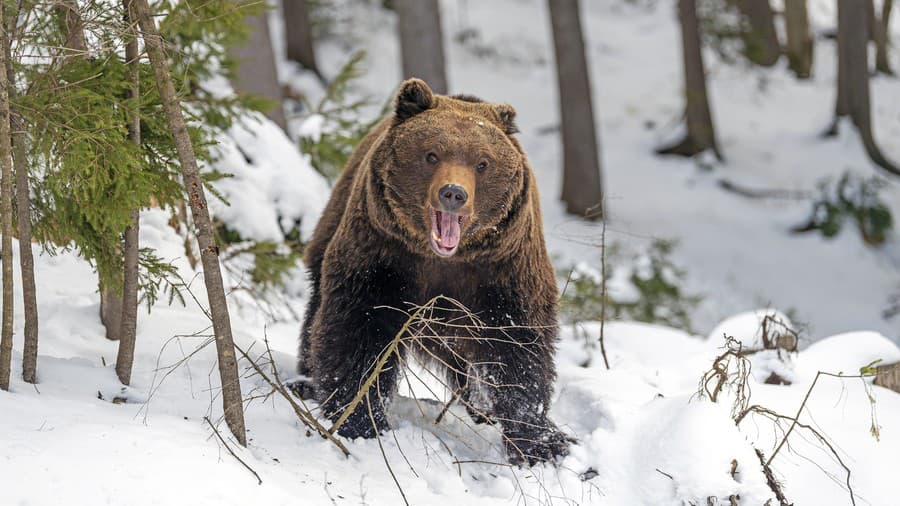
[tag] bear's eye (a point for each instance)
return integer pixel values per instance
(482, 165)
(431, 158)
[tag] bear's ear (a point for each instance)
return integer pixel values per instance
(414, 97)
(507, 116)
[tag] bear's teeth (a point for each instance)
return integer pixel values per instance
(435, 236)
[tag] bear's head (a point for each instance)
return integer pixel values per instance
(450, 169)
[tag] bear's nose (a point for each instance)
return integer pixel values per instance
(452, 196)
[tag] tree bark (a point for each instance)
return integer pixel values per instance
(23, 211)
(883, 39)
(209, 252)
(110, 311)
(799, 38)
(422, 42)
(888, 376)
(6, 188)
(298, 34)
(72, 25)
(700, 134)
(582, 188)
(256, 72)
(128, 318)
(760, 39)
(853, 78)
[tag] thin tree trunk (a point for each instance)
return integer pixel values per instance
(422, 42)
(128, 319)
(209, 252)
(298, 34)
(700, 134)
(799, 39)
(6, 188)
(853, 65)
(760, 40)
(582, 188)
(23, 209)
(110, 311)
(72, 25)
(883, 39)
(256, 72)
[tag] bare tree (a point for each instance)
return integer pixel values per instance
(422, 42)
(128, 319)
(883, 39)
(256, 72)
(23, 211)
(799, 39)
(700, 134)
(6, 188)
(582, 189)
(209, 252)
(853, 78)
(760, 39)
(298, 34)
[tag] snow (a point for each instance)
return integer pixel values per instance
(643, 434)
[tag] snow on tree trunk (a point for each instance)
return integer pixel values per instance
(799, 39)
(700, 134)
(582, 189)
(6, 188)
(256, 73)
(422, 42)
(128, 318)
(209, 252)
(298, 34)
(23, 210)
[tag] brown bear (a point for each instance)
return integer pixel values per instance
(438, 199)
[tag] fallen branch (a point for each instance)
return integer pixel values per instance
(302, 414)
(216, 432)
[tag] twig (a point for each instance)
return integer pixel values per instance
(383, 454)
(773, 484)
(603, 292)
(216, 431)
(303, 414)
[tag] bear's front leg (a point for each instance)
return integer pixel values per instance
(518, 374)
(349, 335)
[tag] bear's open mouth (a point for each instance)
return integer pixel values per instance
(446, 231)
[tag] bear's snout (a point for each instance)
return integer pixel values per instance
(452, 196)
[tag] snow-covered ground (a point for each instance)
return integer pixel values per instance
(644, 437)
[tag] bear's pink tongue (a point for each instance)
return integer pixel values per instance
(449, 227)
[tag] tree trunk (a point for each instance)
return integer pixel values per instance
(799, 39)
(72, 25)
(256, 72)
(883, 39)
(6, 188)
(298, 34)
(23, 208)
(760, 39)
(110, 310)
(422, 42)
(582, 189)
(853, 77)
(209, 252)
(128, 319)
(888, 376)
(700, 133)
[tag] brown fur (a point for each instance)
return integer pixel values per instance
(371, 248)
